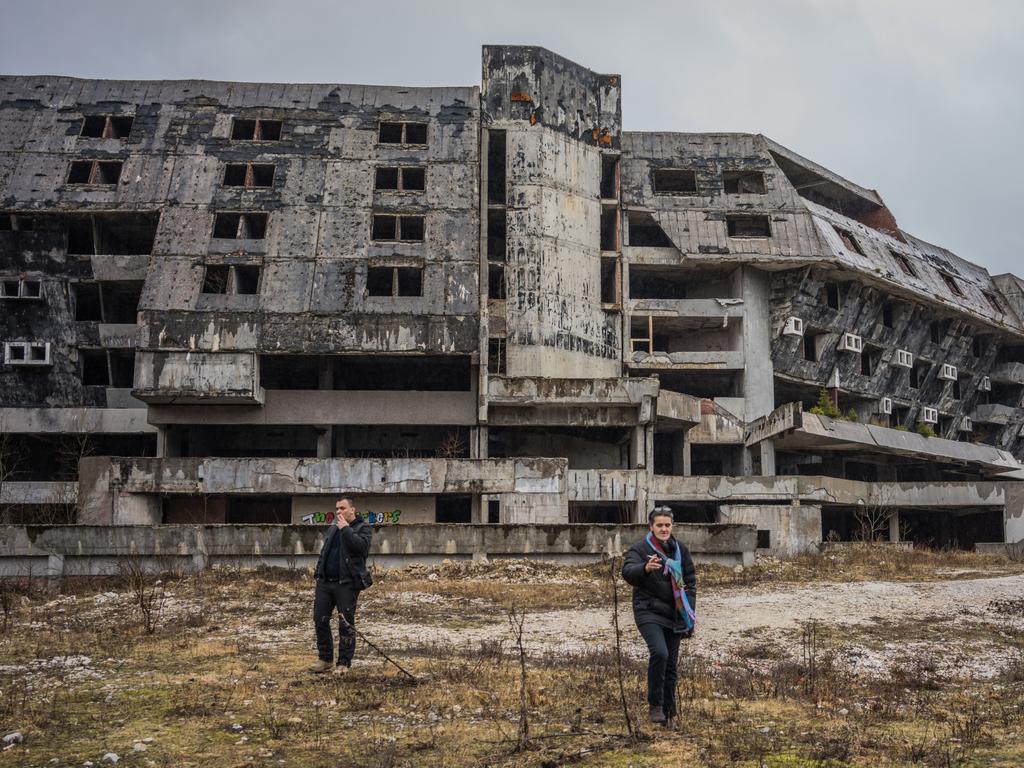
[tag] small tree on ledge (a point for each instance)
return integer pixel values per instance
(825, 406)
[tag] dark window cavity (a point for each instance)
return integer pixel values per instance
(249, 175)
(496, 356)
(240, 226)
(107, 127)
(411, 179)
(743, 182)
(94, 172)
(609, 177)
(849, 241)
(748, 226)
(256, 130)
(405, 134)
(399, 227)
(646, 232)
(675, 181)
(951, 284)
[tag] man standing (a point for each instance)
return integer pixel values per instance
(340, 575)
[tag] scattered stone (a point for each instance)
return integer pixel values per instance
(138, 746)
(236, 727)
(13, 738)
(148, 740)
(110, 757)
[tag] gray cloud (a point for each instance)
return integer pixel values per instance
(918, 99)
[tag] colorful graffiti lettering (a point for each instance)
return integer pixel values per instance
(319, 517)
(379, 518)
(373, 518)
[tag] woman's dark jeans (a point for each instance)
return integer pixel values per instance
(663, 645)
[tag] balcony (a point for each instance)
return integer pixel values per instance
(1008, 373)
(993, 413)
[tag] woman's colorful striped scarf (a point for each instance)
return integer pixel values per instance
(674, 568)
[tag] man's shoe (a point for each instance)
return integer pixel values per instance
(319, 667)
(671, 723)
(656, 715)
(340, 670)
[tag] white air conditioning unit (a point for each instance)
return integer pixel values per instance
(851, 342)
(929, 415)
(985, 385)
(794, 327)
(27, 353)
(904, 359)
(966, 425)
(948, 372)
(885, 406)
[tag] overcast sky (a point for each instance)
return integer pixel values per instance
(922, 100)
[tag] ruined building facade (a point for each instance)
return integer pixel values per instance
(224, 302)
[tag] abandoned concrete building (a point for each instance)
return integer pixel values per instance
(227, 302)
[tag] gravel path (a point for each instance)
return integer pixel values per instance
(730, 618)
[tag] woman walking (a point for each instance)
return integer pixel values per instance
(664, 582)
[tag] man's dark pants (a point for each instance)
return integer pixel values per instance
(663, 645)
(331, 595)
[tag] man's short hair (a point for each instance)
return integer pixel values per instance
(660, 512)
(349, 499)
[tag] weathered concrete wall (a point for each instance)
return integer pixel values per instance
(794, 529)
(82, 550)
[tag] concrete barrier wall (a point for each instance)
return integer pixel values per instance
(55, 551)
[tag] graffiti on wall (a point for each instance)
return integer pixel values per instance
(373, 518)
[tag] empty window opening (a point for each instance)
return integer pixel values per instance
(888, 314)
(6, 222)
(958, 389)
(951, 284)
(412, 179)
(240, 226)
(453, 508)
(15, 353)
(743, 182)
(979, 345)
(111, 234)
(394, 281)
(120, 300)
(249, 175)
(937, 331)
(610, 281)
(903, 263)
(675, 181)
(231, 279)
(122, 368)
(494, 511)
(496, 356)
(247, 278)
(14, 288)
(414, 134)
(748, 226)
(107, 127)
(646, 232)
(994, 302)
(610, 229)
(657, 283)
(497, 230)
(496, 179)
(95, 371)
(919, 373)
(832, 296)
(849, 241)
(88, 307)
(764, 538)
(496, 281)
(397, 227)
(641, 334)
(94, 172)
(256, 130)
(609, 177)
(870, 359)
(811, 344)
(217, 278)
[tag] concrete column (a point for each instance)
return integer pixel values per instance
(324, 442)
(767, 448)
(894, 525)
(758, 376)
(478, 442)
(637, 448)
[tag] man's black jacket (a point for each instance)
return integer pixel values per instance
(354, 547)
(653, 601)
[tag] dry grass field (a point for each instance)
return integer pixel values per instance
(858, 657)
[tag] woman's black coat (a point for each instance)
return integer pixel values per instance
(653, 601)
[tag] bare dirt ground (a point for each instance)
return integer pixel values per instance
(863, 657)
